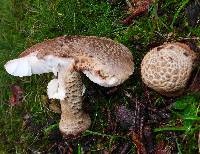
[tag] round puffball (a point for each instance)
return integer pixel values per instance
(167, 68)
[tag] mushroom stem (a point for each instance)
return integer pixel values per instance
(73, 119)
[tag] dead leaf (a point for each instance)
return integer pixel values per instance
(137, 142)
(17, 95)
(136, 7)
(54, 106)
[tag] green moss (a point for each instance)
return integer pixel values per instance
(26, 22)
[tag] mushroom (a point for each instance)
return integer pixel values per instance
(102, 60)
(167, 68)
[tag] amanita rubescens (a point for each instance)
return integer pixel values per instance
(167, 68)
(102, 60)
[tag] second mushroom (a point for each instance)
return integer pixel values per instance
(102, 60)
(167, 68)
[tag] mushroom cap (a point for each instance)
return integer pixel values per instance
(167, 68)
(102, 60)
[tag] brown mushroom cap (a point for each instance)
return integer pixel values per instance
(167, 68)
(104, 61)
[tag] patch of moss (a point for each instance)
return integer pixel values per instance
(26, 22)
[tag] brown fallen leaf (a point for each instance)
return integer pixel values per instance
(136, 7)
(16, 95)
(137, 142)
(54, 106)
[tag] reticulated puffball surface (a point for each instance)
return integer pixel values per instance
(167, 68)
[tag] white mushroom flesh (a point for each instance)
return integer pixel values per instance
(56, 90)
(31, 64)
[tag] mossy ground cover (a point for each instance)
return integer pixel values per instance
(32, 127)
